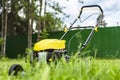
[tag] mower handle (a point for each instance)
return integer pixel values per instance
(89, 6)
(82, 27)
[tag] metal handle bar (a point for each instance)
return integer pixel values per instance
(82, 27)
(89, 6)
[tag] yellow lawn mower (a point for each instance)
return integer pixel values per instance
(48, 50)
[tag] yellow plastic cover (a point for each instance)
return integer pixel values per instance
(49, 44)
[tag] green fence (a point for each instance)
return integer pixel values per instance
(104, 44)
(16, 45)
(107, 42)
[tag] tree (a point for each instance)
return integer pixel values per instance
(4, 27)
(48, 21)
(17, 24)
(30, 23)
(39, 22)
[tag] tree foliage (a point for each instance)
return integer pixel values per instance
(18, 16)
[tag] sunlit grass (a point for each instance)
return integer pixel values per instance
(76, 69)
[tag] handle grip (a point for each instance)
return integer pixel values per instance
(90, 6)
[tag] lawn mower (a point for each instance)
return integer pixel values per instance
(49, 50)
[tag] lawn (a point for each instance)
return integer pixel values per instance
(75, 69)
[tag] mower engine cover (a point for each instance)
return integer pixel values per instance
(49, 44)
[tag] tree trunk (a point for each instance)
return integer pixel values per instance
(45, 14)
(30, 33)
(39, 23)
(4, 28)
(30, 25)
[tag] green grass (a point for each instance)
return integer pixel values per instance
(78, 69)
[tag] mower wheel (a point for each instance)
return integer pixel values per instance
(15, 68)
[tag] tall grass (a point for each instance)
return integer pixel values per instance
(75, 69)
